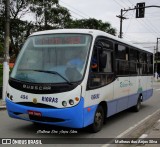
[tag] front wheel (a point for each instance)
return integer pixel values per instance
(98, 120)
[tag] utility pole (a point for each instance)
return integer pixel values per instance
(140, 11)
(121, 19)
(6, 48)
(156, 58)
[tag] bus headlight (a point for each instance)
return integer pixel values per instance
(11, 97)
(64, 103)
(71, 102)
(8, 95)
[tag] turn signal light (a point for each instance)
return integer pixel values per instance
(77, 99)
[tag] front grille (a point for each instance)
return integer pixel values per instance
(38, 118)
(38, 105)
(45, 119)
(17, 113)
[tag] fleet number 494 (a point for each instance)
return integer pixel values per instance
(24, 97)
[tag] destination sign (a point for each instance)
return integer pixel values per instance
(53, 40)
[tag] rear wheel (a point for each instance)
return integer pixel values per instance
(98, 120)
(137, 107)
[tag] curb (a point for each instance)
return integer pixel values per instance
(2, 105)
(143, 125)
(140, 128)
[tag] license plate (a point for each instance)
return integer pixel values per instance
(34, 113)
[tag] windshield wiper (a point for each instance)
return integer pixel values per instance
(54, 72)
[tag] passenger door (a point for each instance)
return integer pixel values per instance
(99, 85)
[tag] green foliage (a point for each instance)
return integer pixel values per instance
(48, 15)
(1, 50)
(19, 30)
(92, 24)
(1, 66)
(1, 75)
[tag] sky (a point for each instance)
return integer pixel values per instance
(141, 31)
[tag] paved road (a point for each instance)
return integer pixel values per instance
(115, 125)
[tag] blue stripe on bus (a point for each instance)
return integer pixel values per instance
(120, 104)
(78, 116)
(116, 105)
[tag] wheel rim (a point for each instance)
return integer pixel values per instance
(98, 119)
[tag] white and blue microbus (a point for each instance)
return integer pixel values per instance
(78, 77)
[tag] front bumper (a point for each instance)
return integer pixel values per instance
(68, 117)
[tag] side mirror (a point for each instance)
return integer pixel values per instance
(103, 60)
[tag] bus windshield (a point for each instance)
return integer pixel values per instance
(52, 58)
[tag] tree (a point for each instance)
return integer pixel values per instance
(1, 50)
(92, 24)
(2, 24)
(49, 14)
(18, 28)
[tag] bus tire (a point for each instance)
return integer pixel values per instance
(137, 107)
(98, 120)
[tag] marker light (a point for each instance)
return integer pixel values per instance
(71, 102)
(88, 109)
(64, 103)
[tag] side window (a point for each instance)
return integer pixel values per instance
(101, 70)
(150, 64)
(133, 61)
(133, 55)
(108, 67)
(121, 52)
(142, 57)
(142, 63)
(122, 64)
(149, 58)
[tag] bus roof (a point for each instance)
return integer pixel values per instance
(92, 32)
